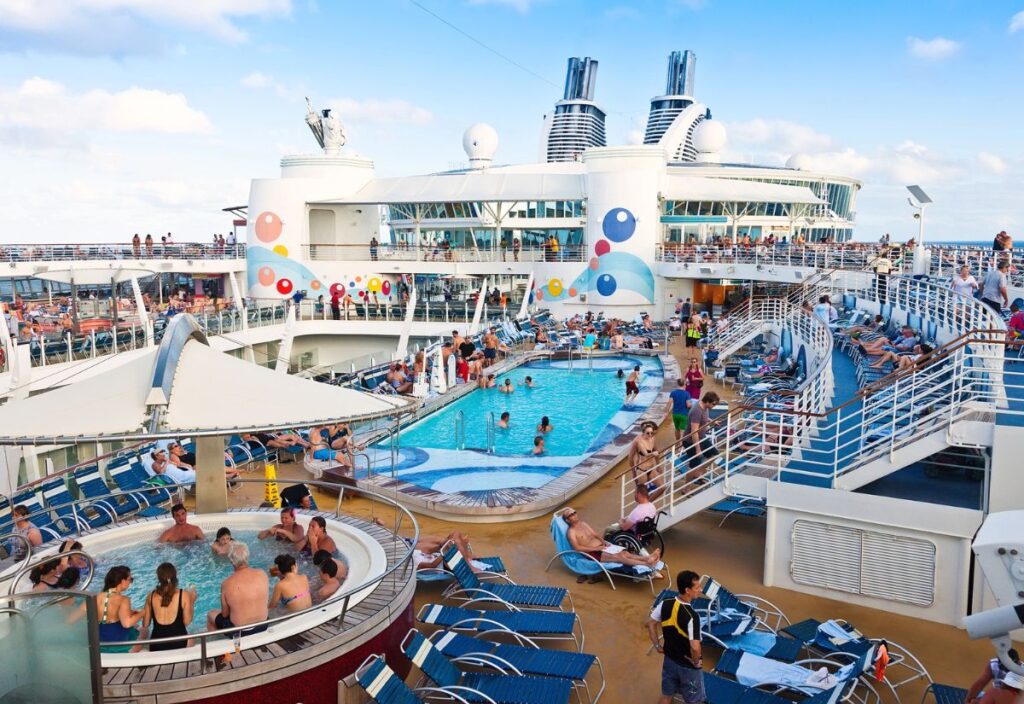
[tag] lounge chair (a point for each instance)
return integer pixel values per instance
(92, 486)
(719, 600)
(528, 659)
(441, 573)
(470, 588)
(83, 516)
(133, 477)
(385, 687)
(720, 690)
(503, 688)
(837, 637)
(583, 564)
(535, 624)
(740, 631)
(811, 676)
(945, 694)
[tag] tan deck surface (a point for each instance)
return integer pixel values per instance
(615, 621)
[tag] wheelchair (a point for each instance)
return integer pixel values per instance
(643, 536)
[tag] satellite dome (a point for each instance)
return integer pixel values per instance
(709, 137)
(800, 162)
(480, 142)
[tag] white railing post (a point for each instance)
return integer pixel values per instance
(892, 422)
(835, 453)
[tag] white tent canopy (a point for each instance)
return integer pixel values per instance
(92, 275)
(211, 393)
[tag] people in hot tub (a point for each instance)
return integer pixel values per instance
(291, 592)
(317, 538)
(285, 531)
(182, 531)
(223, 543)
(331, 578)
(243, 595)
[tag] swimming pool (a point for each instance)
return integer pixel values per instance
(585, 405)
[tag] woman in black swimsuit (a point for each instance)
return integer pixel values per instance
(165, 600)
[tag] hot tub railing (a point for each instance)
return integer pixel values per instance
(30, 565)
(399, 570)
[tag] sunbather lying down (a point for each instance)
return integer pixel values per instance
(427, 550)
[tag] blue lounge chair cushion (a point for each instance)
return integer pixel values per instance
(531, 661)
(518, 594)
(524, 622)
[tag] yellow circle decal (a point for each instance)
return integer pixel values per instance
(555, 287)
(281, 249)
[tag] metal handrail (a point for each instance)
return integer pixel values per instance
(402, 562)
(24, 539)
(55, 558)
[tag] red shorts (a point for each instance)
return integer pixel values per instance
(632, 388)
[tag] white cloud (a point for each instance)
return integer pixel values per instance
(261, 81)
(372, 110)
(935, 49)
(1017, 22)
(123, 26)
(843, 162)
(520, 6)
(41, 105)
(778, 136)
(992, 163)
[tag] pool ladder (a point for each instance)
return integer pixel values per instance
(459, 421)
(491, 433)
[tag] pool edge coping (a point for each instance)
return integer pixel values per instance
(570, 483)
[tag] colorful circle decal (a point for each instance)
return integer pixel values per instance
(555, 287)
(594, 263)
(358, 279)
(362, 294)
(265, 276)
(373, 284)
(315, 285)
(268, 226)
(337, 289)
(619, 225)
(606, 284)
(284, 286)
(385, 288)
(539, 295)
(602, 248)
(572, 292)
(281, 249)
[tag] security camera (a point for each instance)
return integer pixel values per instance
(917, 216)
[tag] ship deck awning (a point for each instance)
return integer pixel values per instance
(469, 186)
(184, 388)
(735, 191)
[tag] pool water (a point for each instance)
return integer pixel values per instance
(579, 404)
(585, 405)
(196, 564)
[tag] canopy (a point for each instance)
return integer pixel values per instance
(735, 190)
(93, 275)
(183, 388)
(470, 186)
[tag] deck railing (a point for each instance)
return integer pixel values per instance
(117, 251)
(435, 253)
(855, 256)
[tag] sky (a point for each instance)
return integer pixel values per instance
(123, 116)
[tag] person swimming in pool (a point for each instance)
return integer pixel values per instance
(545, 425)
(503, 421)
(633, 384)
(222, 544)
(528, 383)
(538, 445)
(507, 387)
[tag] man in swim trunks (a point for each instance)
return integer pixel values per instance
(243, 595)
(680, 411)
(182, 531)
(507, 387)
(585, 539)
(632, 384)
(491, 345)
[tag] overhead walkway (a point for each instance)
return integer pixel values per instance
(840, 432)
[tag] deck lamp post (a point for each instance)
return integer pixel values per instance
(919, 201)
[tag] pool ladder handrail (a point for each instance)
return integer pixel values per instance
(491, 433)
(459, 422)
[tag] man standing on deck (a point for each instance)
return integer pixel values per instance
(698, 446)
(993, 287)
(680, 409)
(681, 672)
(336, 305)
(882, 266)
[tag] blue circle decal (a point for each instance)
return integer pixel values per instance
(619, 225)
(606, 284)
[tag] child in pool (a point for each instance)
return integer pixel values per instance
(222, 544)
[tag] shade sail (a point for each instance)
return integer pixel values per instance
(211, 393)
(93, 275)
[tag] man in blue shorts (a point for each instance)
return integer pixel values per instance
(681, 673)
(680, 411)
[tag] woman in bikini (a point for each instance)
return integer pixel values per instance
(643, 459)
(292, 589)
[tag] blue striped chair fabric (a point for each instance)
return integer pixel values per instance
(524, 622)
(440, 574)
(504, 689)
(517, 594)
(532, 661)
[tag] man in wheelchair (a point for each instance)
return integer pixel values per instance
(637, 532)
